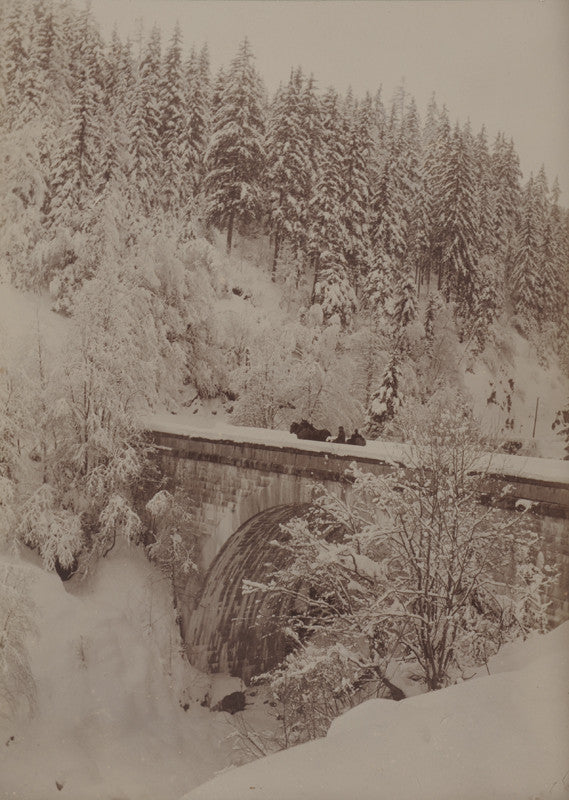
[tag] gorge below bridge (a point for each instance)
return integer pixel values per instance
(244, 483)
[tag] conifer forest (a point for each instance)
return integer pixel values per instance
(370, 205)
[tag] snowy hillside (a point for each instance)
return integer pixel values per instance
(504, 736)
(110, 684)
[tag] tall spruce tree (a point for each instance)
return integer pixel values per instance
(77, 160)
(235, 155)
(328, 239)
(385, 401)
(436, 148)
(198, 99)
(144, 126)
(288, 168)
(526, 287)
(356, 196)
(175, 142)
(506, 187)
(458, 225)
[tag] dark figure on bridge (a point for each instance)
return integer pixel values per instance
(306, 430)
(341, 437)
(356, 438)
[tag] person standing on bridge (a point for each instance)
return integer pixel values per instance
(341, 437)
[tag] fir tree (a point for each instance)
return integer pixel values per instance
(76, 165)
(144, 126)
(506, 189)
(328, 241)
(485, 195)
(198, 114)
(15, 54)
(458, 224)
(356, 196)
(436, 148)
(405, 309)
(288, 166)
(235, 155)
(526, 278)
(389, 228)
(385, 401)
(176, 158)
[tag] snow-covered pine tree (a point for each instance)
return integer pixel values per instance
(549, 288)
(488, 298)
(388, 226)
(485, 196)
(416, 201)
(405, 305)
(118, 85)
(145, 150)
(506, 189)
(328, 236)
(76, 162)
(15, 42)
(288, 167)
(356, 196)
(235, 155)
(436, 144)
(311, 114)
(176, 156)
(458, 224)
(198, 96)
(526, 285)
(385, 401)
(556, 240)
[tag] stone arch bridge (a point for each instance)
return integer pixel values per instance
(244, 483)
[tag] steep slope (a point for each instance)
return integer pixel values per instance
(504, 736)
(110, 689)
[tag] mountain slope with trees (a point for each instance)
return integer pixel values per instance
(207, 245)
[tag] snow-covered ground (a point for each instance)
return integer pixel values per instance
(110, 723)
(25, 322)
(111, 686)
(499, 737)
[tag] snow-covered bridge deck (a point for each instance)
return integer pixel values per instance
(543, 480)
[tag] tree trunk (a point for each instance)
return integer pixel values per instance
(230, 232)
(276, 253)
(316, 265)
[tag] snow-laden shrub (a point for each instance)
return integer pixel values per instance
(55, 532)
(117, 519)
(173, 548)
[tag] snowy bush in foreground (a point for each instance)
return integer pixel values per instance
(171, 550)
(17, 687)
(53, 531)
(411, 568)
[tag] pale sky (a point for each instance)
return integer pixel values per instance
(504, 63)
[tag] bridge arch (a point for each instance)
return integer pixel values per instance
(234, 632)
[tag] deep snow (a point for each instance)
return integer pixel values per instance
(500, 737)
(111, 686)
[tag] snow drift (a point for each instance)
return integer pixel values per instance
(504, 736)
(111, 687)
